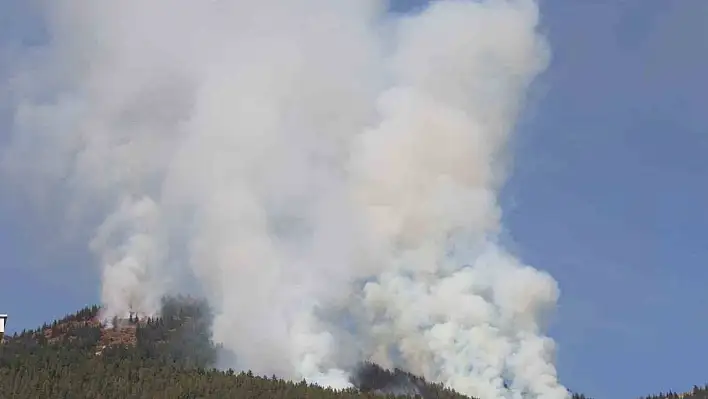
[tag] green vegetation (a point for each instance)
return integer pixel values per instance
(161, 358)
(696, 393)
(170, 358)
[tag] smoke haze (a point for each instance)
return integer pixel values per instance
(327, 174)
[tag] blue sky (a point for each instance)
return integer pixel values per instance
(608, 194)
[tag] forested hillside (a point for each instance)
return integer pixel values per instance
(171, 357)
(168, 357)
(696, 393)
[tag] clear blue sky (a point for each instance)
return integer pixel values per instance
(609, 194)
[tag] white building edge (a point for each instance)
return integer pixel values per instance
(3, 320)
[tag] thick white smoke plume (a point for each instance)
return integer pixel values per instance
(326, 173)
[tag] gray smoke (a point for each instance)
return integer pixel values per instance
(369, 377)
(327, 174)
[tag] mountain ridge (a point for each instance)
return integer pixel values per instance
(172, 356)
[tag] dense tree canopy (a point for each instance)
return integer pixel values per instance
(171, 357)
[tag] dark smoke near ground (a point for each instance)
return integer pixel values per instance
(370, 377)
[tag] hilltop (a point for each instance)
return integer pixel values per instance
(172, 357)
(168, 357)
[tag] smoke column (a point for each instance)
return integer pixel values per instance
(325, 173)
